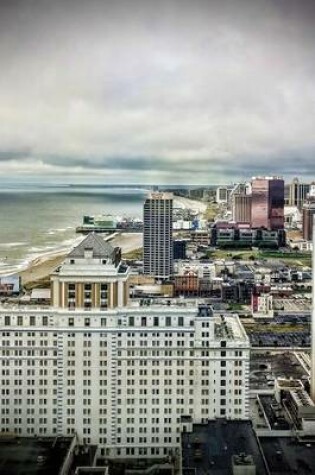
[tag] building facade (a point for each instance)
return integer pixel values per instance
(241, 208)
(121, 378)
(307, 218)
(157, 235)
(267, 203)
(298, 193)
(92, 276)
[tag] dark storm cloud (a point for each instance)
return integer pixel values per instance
(166, 90)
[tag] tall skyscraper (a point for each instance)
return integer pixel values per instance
(157, 235)
(242, 207)
(298, 193)
(308, 215)
(267, 203)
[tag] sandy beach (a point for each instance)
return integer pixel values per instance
(43, 265)
(187, 203)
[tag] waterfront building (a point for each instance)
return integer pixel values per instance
(308, 215)
(91, 277)
(223, 194)
(267, 203)
(241, 208)
(157, 235)
(239, 235)
(119, 378)
(298, 193)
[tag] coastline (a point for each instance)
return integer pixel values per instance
(187, 203)
(41, 266)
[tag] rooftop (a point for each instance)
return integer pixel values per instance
(209, 448)
(101, 249)
(32, 456)
(286, 456)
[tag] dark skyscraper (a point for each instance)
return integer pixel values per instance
(268, 203)
(308, 216)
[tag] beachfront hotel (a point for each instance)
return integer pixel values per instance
(157, 235)
(126, 378)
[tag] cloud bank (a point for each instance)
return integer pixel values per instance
(157, 92)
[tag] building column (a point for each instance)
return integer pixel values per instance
(120, 292)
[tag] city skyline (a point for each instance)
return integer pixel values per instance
(165, 93)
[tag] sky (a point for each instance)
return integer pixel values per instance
(129, 91)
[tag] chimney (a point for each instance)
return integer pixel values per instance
(313, 318)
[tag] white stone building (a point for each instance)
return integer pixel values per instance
(121, 378)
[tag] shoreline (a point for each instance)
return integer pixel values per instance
(41, 266)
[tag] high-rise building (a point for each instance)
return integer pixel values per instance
(242, 207)
(267, 203)
(298, 193)
(223, 194)
(122, 379)
(308, 215)
(157, 235)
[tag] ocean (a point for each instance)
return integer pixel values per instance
(39, 219)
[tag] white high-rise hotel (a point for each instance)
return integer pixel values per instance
(121, 377)
(157, 235)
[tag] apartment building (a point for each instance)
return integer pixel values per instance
(158, 235)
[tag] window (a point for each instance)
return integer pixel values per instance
(72, 261)
(180, 321)
(87, 322)
(45, 321)
(7, 320)
(20, 320)
(168, 321)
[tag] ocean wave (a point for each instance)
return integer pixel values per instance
(38, 254)
(7, 245)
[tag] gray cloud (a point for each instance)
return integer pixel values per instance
(149, 91)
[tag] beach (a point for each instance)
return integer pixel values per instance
(43, 265)
(187, 203)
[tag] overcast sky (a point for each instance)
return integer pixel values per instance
(156, 91)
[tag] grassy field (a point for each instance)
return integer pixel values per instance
(233, 254)
(274, 328)
(292, 258)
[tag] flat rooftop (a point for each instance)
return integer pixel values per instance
(266, 367)
(210, 447)
(286, 455)
(33, 456)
